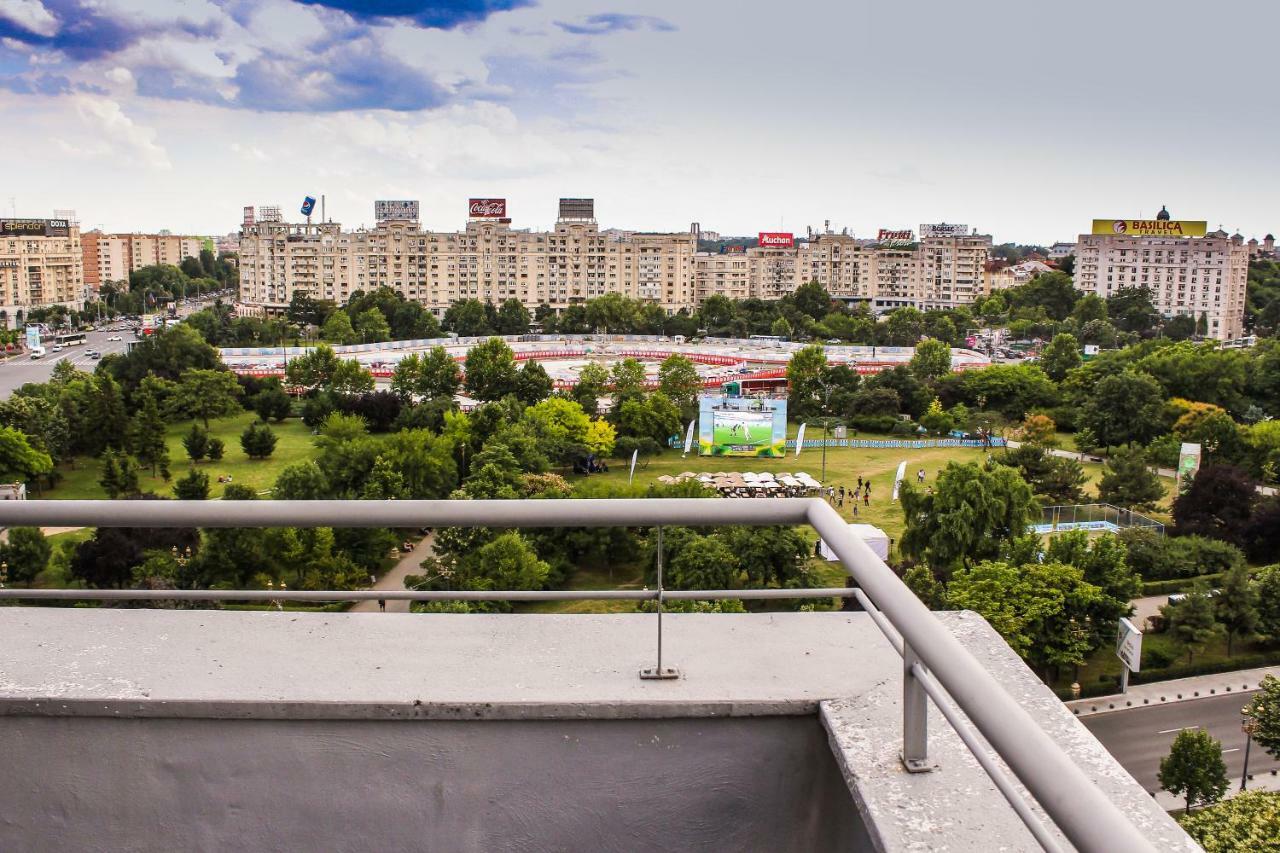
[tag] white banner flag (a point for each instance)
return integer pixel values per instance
(688, 438)
(897, 478)
(800, 439)
(636, 453)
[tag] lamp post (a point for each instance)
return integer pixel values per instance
(1249, 726)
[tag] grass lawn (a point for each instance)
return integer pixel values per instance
(620, 577)
(294, 445)
(1104, 664)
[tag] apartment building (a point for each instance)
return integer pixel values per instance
(111, 257)
(1187, 270)
(488, 260)
(41, 265)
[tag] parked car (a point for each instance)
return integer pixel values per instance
(114, 338)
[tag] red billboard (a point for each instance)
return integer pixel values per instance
(487, 208)
(776, 240)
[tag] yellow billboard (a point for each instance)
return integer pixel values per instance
(1151, 227)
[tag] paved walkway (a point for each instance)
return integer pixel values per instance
(1177, 690)
(408, 564)
(1147, 607)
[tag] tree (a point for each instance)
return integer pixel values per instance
(384, 482)
(193, 487)
(533, 383)
(513, 318)
(1129, 482)
(26, 553)
(468, 319)
(258, 441)
(207, 394)
(706, 562)
(902, 328)
(147, 436)
(272, 403)
(196, 443)
(337, 329)
(932, 360)
(1058, 479)
(1052, 291)
(1191, 621)
(1039, 431)
(1124, 408)
(371, 326)
(971, 512)
(491, 370)
(1131, 309)
(19, 461)
(1218, 503)
(806, 375)
(935, 419)
(679, 380)
(593, 381)
(507, 562)
(1237, 605)
(1268, 584)
(1060, 356)
(628, 380)
(109, 479)
(301, 481)
(429, 375)
(1194, 768)
(600, 437)
(1246, 822)
(781, 328)
(1264, 711)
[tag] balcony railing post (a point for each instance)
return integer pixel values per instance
(915, 716)
(659, 671)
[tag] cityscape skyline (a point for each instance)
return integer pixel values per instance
(147, 116)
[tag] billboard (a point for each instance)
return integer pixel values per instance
(308, 205)
(487, 208)
(33, 337)
(1188, 462)
(1129, 645)
(889, 237)
(34, 227)
(944, 229)
(248, 216)
(395, 210)
(776, 240)
(577, 208)
(741, 426)
(1151, 227)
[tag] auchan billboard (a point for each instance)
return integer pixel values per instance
(1151, 227)
(776, 240)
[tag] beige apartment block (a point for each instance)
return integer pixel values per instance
(1197, 276)
(40, 265)
(111, 257)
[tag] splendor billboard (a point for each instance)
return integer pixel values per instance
(34, 227)
(1151, 227)
(776, 240)
(742, 426)
(487, 208)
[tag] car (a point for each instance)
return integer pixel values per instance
(37, 355)
(57, 347)
(114, 338)
(94, 354)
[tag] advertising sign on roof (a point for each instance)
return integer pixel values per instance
(944, 229)
(887, 237)
(776, 240)
(395, 210)
(487, 208)
(1151, 227)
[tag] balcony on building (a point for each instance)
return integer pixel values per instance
(142, 727)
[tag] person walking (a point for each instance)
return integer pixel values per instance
(920, 476)
(866, 498)
(859, 485)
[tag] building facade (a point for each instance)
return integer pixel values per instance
(491, 261)
(41, 265)
(1200, 276)
(111, 257)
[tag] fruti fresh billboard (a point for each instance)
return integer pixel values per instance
(741, 426)
(776, 240)
(1151, 227)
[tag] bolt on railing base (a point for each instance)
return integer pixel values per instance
(917, 765)
(655, 673)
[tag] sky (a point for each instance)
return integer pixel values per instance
(1024, 120)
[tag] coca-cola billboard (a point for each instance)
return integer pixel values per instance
(776, 240)
(487, 208)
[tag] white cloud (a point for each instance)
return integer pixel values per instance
(122, 134)
(31, 15)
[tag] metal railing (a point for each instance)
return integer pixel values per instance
(935, 664)
(1099, 516)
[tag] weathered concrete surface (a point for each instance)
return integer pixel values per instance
(235, 726)
(761, 783)
(953, 808)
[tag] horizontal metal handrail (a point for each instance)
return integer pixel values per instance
(1081, 811)
(421, 595)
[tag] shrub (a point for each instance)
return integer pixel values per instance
(873, 423)
(625, 445)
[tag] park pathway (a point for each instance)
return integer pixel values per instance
(408, 564)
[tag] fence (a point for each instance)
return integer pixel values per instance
(935, 664)
(1100, 517)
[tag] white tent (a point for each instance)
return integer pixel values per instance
(875, 538)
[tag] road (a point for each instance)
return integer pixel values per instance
(16, 372)
(1139, 738)
(408, 564)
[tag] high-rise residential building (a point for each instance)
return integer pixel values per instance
(489, 260)
(41, 265)
(1188, 270)
(111, 257)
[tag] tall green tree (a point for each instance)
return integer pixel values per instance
(533, 384)
(19, 461)
(468, 318)
(1192, 622)
(1194, 768)
(205, 394)
(1263, 711)
(679, 380)
(806, 382)
(371, 326)
(147, 434)
(338, 329)
(1237, 605)
(258, 441)
(513, 318)
(1128, 481)
(593, 382)
(491, 370)
(1124, 408)
(1061, 356)
(932, 360)
(193, 487)
(628, 380)
(26, 554)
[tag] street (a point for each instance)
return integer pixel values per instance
(1140, 737)
(19, 370)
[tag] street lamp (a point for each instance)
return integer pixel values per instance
(1249, 726)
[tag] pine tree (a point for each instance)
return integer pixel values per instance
(110, 479)
(128, 476)
(148, 436)
(196, 441)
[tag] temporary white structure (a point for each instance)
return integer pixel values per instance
(875, 538)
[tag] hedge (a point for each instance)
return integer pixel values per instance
(1169, 587)
(1150, 676)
